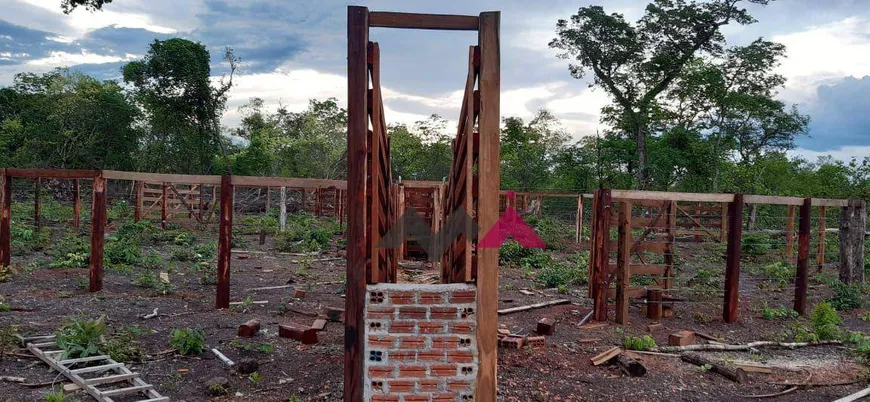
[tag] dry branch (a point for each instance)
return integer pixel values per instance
(725, 369)
(533, 306)
(854, 397)
(747, 346)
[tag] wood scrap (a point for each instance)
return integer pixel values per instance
(747, 346)
(316, 260)
(253, 302)
(855, 396)
(148, 316)
(644, 352)
(723, 368)
(754, 368)
(583, 321)
(224, 359)
(19, 380)
(630, 366)
(708, 337)
(593, 325)
(533, 306)
(605, 356)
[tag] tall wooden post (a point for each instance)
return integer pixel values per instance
(282, 210)
(669, 257)
(200, 196)
(357, 131)
(789, 234)
(6, 221)
(853, 226)
(623, 262)
(601, 243)
(579, 223)
(37, 189)
(138, 186)
(400, 208)
(654, 304)
(800, 281)
(98, 232)
(164, 199)
(723, 222)
(225, 243)
(77, 204)
(732, 260)
(341, 206)
(820, 251)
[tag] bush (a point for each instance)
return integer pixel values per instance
(636, 343)
(122, 346)
(120, 211)
(755, 245)
(71, 251)
(556, 235)
(511, 253)
(188, 341)
(305, 234)
(778, 274)
(137, 230)
(182, 254)
(846, 297)
(563, 274)
(122, 250)
(25, 239)
(206, 251)
(151, 281)
(825, 322)
(80, 338)
(769, 313)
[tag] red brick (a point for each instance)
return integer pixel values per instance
(385, 398)
(408, 356)
(334, 314)
(511, 343)
(416, 398)
(444, 397)
(432, 328)
(319, 324)
(445, 342)
(403, 327)
(546, 326)
(461, 328)
(381, 372)
(443, 370)
(414, 313)
(249, 329)
(429, 385)
(459, 385)
(412, 371)
(431, 298)
(412, 342)
(403, 298)
(460, 356)
(681, 338)
(381, 341)
(462, 296)
(536, 341)
(299, 332)
(430, 356)
(443, 313)
(401, 386)
(299, 293)
(380, 313)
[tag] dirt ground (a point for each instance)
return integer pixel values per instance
(44, 298)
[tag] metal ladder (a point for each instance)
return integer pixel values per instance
(107, 373)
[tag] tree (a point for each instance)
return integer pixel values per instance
(527, 151)
(91, 5)
(636, 63)
(423, 152)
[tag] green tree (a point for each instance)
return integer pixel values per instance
(91, 5)
(423, 152)
(528, 151)
(636, 63)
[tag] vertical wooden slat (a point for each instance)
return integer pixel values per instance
(225, 243)
(698, 217)
(489, 177)
(163, 201)
(579, 223)
(670, 207)
(6, 221)
(732, 260)
(37, 189)
(400, 205)
(375, 175)
(601, 243)
(77, 204)
(853, 226)
(98, 231)
(654, 304)
(723, 222)
(623, 261)
(282, 210)
(590, 285)
(789, 234)
(200, 195)
(800, 281)
(820, 251)
(357, 128)
(137, 210)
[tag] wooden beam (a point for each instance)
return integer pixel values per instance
(98, 232)
(601, 233)
(732, 260)
(225, 241)
(820, 250)
(357, 131)
(489, 178)
(77, 204)
(800, 282)
(52, 173)
(162, 177)
(623, 261)
(254, 181)
(443, 22)
(6, 221)
(670, 196)
(853, 226)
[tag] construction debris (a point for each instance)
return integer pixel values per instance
(533, 306)
(222, 357)
(605, 356)
(546, 326)
(681, 338)
(299, 332)
(630, 366)
(249, 329)
(727, 370)
(748, 346)
(319, 324)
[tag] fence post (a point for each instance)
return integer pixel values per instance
(601, 233)
(820, 251)
(853, 225)
(37, 188)
(76, 220)
(723, 223)
(98, 231)
(623, 261)
(6, 221)
(654, 304)
(789, 234)
(800, 281)
(732, 260)
(163, 201)
(225, 243)
(579, 225)
(268, 199)
(282, 209)
(137, 208)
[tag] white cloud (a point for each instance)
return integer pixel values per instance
(47, 15)
(63, 59)
(60, 39)
(824, 54)
(845, 153)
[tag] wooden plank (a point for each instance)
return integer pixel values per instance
(821, 202)
(162, 177)
(6, 221)
(623, 261)
(579, 221)
(489, 177)
(111, 379)
(649, 269)
(52, 173)
(772, 200)
(518, 309)
(163, 201)
(98, 232)
(670, 196)
(357, 129)
(225, 240)
(81, 359)
(697, 222)
(800, 282)
(415, 184)
(789, 234)
(255, 181)
(732, 259)
(374, 182)
(97, 369)
(820, 251)
(601, 253)
(444, 22)
(631, 292)
(670, 210)
(128, 390)
(605, 356)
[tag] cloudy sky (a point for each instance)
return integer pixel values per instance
(295, 50)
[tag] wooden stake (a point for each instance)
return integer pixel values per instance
(654, 304)
(579, 223)
(225, 240)
(76, 222)
(732, 260)
(601, 233)
(98, 232)
(853, 224)
(6, 221)
(623, 261)
(163, 201)
(800, 282)
(820, 251)
(282, 210)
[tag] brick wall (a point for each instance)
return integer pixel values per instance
(420, 342)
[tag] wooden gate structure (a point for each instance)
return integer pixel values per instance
(372, 199)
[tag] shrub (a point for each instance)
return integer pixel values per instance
(755, 245)
(207, 273)
(80, 338)
(778, 274)
(184, 238)
(25, 239)
(636, 343)
(70, 243)
(122, 250)
(182, 254)
(562, 274)
(206, 251)
(133, 229)
(188, 341)
(825, 322)
(119, 211)
(846, 297)
(122, 346)
(554, 234)
(511, 253)
(305, 234)
(150, 281)
(769, 313)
